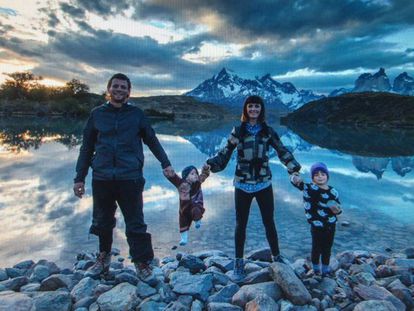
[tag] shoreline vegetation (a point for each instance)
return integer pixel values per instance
(22, 94)
(359, 281)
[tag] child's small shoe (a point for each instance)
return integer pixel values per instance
(184, 238)
(326, 271)
(198, 224)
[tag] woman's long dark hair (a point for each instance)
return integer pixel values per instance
(256, 100)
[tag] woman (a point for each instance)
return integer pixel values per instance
(253, 176)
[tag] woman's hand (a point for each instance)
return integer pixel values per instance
(168, 172)
(296, 179)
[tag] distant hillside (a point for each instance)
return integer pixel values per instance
(179, 107)
(362, 109)
(167, 107)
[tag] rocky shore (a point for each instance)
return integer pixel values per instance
(360, 281)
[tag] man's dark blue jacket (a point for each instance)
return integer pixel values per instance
(112, 144)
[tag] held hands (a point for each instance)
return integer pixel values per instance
(296, 179)
(168, 172)
(79, 189)
(206, 168)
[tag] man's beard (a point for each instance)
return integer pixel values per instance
(121, 100)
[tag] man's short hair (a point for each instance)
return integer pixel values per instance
(119, 76)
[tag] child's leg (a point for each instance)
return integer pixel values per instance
(184, 237)
(327, 246)
(197, 213)
(316, 248)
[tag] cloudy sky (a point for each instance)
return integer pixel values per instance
(169, 46)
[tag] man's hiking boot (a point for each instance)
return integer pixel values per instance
(145, 273)
(238, 274)
(101, 266)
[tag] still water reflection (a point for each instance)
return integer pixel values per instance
(40, 217)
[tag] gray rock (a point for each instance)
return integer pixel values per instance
(383, 271)
(94, 307)
(82, 309)
(328, 286)
(11, 301)
(361, 254)
(85, 302)
(400, 291)
(209, 253)
(375, 305)
(31, 287)
(409, 252)
(290, 284)
(197, 286)
(53, 268)
(122, 297)
(225, 294)
(126, 277)
(380, 259)
(316, 303)
(52, 301)
(197, 306)
(116, 265)
(16, 283)
(263, 254)
(364, 278)
(326, 302)
(100, 289)
(218, 277)
(345, 259)
(56, 281)
(251, 267)
(286, 305)
(15, 272)
(384, 282)
(39, 273)
(223, 263)
(400, 262)
(193, 263)
(300, 266)
(166, 293)
(84, 288)
(152, 306)
(249, 292)
(258, 277)
(262, 303)
(355, 269)
(375, 292)
(176, 306)
(222, 306)
(345, 223)
(144, 290)
(3, 275)
(2, 288)
(24, 265)
(185, 300)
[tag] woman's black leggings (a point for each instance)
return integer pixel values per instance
(322, 241)
(264, 199)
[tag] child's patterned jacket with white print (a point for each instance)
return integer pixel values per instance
(315, 201)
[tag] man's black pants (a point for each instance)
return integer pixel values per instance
(128, 195)
(322, 241)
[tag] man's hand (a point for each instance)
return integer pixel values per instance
(296, 179)
(168, 171)
(206, 167)
(79, 189)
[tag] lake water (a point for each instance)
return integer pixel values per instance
(41, 218)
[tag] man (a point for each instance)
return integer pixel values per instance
(112, 146)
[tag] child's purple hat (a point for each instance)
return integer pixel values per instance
(319, 166)
(187, 170)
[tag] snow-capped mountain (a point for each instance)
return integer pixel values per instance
(404, 84)
(228, 88)
(379, 82)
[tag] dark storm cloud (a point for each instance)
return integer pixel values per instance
(285, 19)
(72, 10)
(4, 29)
(103, 7)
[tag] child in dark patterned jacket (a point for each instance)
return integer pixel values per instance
(321, 203)
(191, 197)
